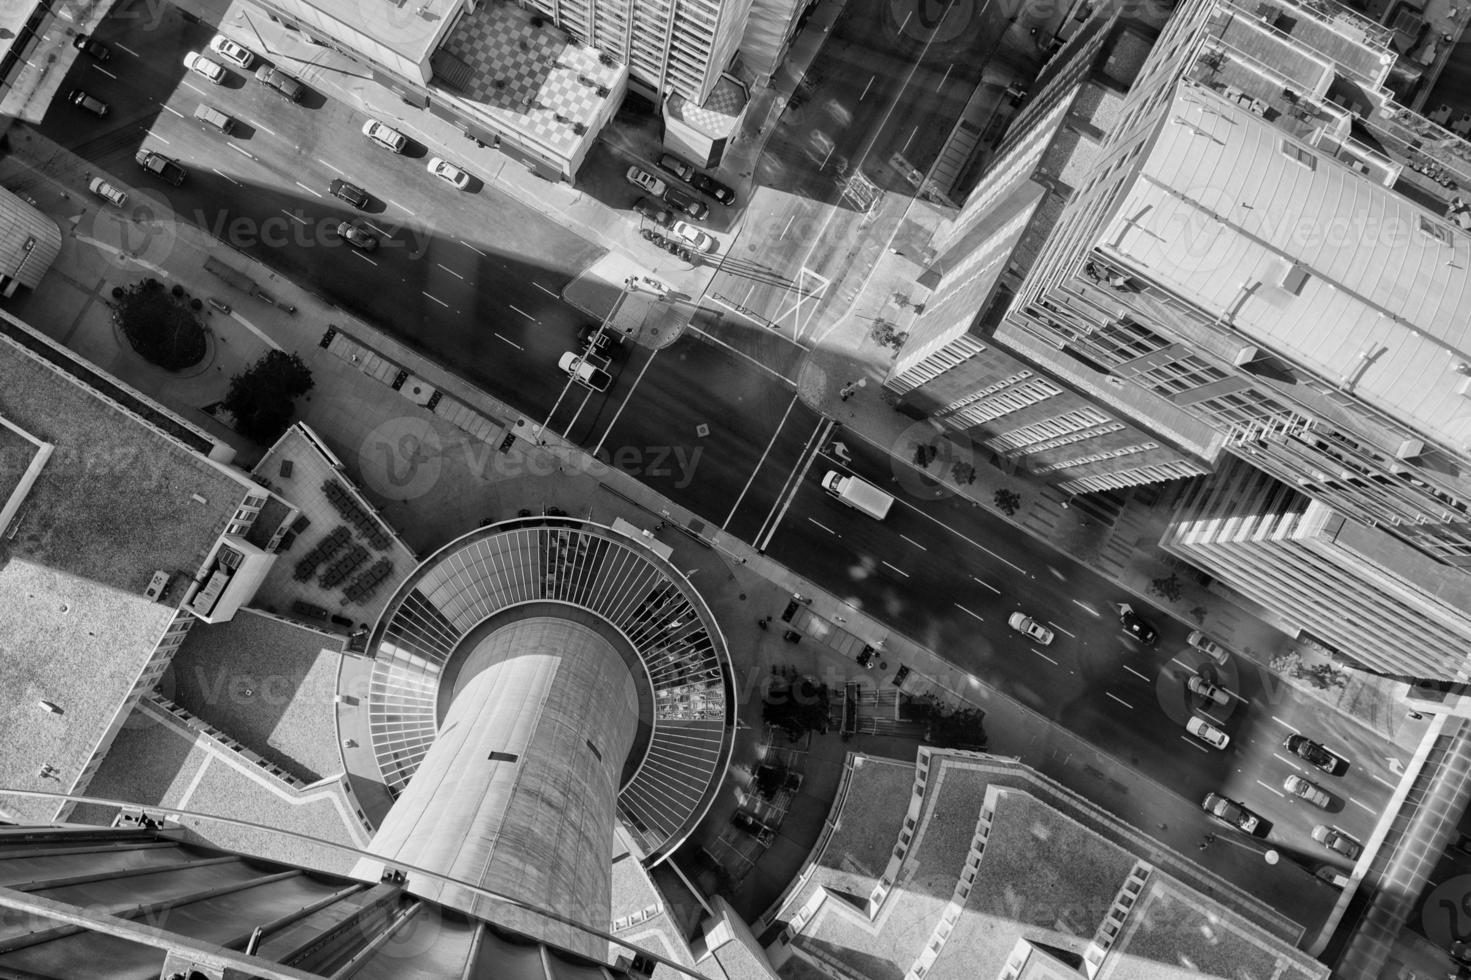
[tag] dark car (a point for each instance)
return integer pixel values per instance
(1231, 812)
(674, 165)
(351, 193)
(1316, 754)
(680, 201)
(278, 81)
(653, 212)
(98, 50)
(706, 184)
(1337, 841)
(91, 103)
(1138, 626)
(603, 343)
(356, 235)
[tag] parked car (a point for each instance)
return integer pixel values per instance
(449, 173)
(653, 212)
(1338, 841)
(680, 201)
(584, 373)
(1029, 627)
(351, 193)
(1334, 876)
(688, 234)
(1316, 754)
(706, 184)
(211, 116)
(356, 235)
(674, 165)
(82, 100)
(647, 181)
(601, 342)
(98, 50)
(200, 65)
(1202, 729)
(1203, 688)
(1207, 646)
(1137, 626)
(107, 192)
(1231, 812)
(385, 136)
(280, 82)
(236, 54)
(1306, 789)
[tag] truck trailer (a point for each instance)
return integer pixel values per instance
(858, 494)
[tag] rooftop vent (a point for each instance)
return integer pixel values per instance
(158, 585)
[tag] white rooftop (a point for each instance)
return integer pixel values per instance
(1306, 257)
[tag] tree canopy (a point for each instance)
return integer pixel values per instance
(160, 326)
(263, 397)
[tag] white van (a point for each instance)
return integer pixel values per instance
(858, 494)
(211, 116)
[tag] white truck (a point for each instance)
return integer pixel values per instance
(858, 494)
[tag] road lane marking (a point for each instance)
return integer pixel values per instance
(326, 164)
(545, 290)
(998, 557)
(1044, 656)
(1084, 605)
(360, 255)
(1284, 724)
(866, 87)
(384, 232)
(263, 128)
(398, 205)
(826, 156)
(1114, 696)
(475, 250)
(1061, 630)
(1269, 786)
(511, 342)
(986, 584)
(945, 76)
(783, 234)
(898, 569)
(739, 353)
(226, 176)
(1180, 663)
(968, 612)
(1190, 741)
(307, 189)
(1279, 756)
(241, 150)
(1366, 809)
(106, 72)
(765, 455)
(449, 270)
(125, 48)
(823, 526)
(438, 300)
(523, 313)
(294, 217)
(914, 542)
(1382, 780)
(1136, 673)
(159, 138)
(171, 109)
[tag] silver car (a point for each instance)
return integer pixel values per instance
(1306, 789)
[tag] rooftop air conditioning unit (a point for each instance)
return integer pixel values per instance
(229, 558)
(158, 585)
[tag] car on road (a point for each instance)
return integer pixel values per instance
(1203, 688)
(280, 82)
(1338, 841)
(1333, 876)
(1316, 754)
(584, 373)
(1029, 627)
(107, 192)
(385, 136)
(674, 165)
(653, 212)
(1231, 812)
(650, 183)
(98, 50)
(236, 54)
(356, 235)
(1137, 626)
(706, 184)
(680, 201)
(82, 100)
(599, 342)
(351, 193)
(200, 65)
(1202, 729)
(1306, 789)
(688, 234)
(449, 173)
(1207, 646)
(161, 166)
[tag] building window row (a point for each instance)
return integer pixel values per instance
(1091, 433)
(1006, 402)
(976, 396)
(1181, 375)
(1098, 457)
(1059, 425)
(953, 354)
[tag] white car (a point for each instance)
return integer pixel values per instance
(647, 181)
(196, 62)
(1306, 789)
(107, 192)
(584, 373)
(688, 234)
(236, 54)
(1028, 626)
(1207, 646)
(1207, 733)
(449, 173)
(389, 139)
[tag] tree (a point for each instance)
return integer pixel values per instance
(924, 454)
(885, 334)
(963, 473)
(1007, 501)
(262, 399)
(770, 778)
(1166, 588)
(958, 728)
(159, 325)
(1324, 676)
(798, 708)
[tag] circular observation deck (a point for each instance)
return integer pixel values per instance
(498, 572)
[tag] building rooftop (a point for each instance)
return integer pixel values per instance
(1306, 257)
(719, 115)
(29, 240)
